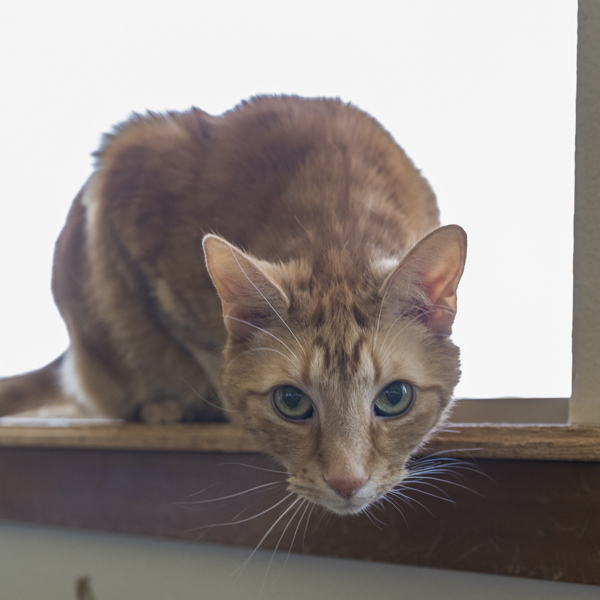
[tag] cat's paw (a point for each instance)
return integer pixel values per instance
(162, 412)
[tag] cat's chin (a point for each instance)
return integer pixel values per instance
(346, 507)
(350, 509)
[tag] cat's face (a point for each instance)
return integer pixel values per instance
(340, 379)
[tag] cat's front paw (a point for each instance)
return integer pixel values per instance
(162, 412)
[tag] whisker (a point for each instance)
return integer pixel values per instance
(252, 467)
(264, 331)
(306, 526)
(406, 325)
(205, 400)
(387, 287)
(321, 516)
(243, 520)
(258, 487)
(460, 485)
(257, 350)
(264, 537)
(265, 299)
(449, 471)
(252, 504)
(277, 546)
(212, 485)
(306, 505)
(445, 497)
(400, 316)
(431, 308)
(367, 512)
(441, 453)
(445, 466)
(400, 495)
(397, 508)
(396, 493)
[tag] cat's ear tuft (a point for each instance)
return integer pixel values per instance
(250, 296)
(429, 275)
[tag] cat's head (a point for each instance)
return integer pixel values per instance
(340, 370)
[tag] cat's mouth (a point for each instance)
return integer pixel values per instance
(348, 507)
(339, 505)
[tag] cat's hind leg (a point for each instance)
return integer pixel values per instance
(35, 390)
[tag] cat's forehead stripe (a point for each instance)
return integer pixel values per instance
(340, 357)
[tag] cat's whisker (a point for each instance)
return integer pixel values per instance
(441, 454)
(264, 331)
(400, 495)
(367, 512)
(454, 470)
(252, 467)
(445, 495)
(406, 500)
(235, 518)
(265, 299)
(306, 526)
(431, 465)
(396, 493)
(264, 537)
(432, 461)
(389, 501)
(417, 476)
(258, 487)
(205, 400)
(446, 466)
(387, 287)
(257, 350)
(449, 482)
(208, 487)
(306, 504)
(406, 326)
(260, 514)
(298, 508)
(400, 316)
(252, 504)
(429, 310)
(324, 511)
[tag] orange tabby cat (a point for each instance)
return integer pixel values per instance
(328, 334)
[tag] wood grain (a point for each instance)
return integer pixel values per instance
(526, 518)
(524, 442)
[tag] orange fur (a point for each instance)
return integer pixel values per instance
(312, 221)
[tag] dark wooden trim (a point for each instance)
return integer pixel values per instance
(538, 442)
(528, 518)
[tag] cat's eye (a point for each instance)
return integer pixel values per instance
(292, 403)
(394, 400)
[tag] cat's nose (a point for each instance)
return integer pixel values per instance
(346, 488)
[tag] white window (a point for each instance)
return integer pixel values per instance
(480, 94)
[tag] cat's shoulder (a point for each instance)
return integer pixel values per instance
(156, 131)
(258, 118)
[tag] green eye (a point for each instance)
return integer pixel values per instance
(292, 403)
(394, 400)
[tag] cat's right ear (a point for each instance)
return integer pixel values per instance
(428, 277)
(250, 296)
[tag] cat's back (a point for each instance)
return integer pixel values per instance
(264, 171)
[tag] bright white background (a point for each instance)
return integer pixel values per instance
(480, 94)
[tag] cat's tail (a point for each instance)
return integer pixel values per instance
(32, 390)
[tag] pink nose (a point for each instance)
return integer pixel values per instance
(346, 488)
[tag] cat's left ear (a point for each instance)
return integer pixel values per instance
(429, 275)
(250, 296)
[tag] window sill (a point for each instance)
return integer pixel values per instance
(532, 518)
(477, 440)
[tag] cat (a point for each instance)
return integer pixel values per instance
(282, 264)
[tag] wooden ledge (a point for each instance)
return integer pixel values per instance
(487, 441)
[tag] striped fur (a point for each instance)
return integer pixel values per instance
(331, 275)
